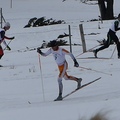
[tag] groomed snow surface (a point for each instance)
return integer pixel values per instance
(27, 92)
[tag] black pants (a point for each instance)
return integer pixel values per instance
(111, 36)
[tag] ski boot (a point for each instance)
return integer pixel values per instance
(79, 83)
(59, 98)
(95, 53)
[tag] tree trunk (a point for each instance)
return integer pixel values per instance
(102, 8)
(106, 9)
(109, 11)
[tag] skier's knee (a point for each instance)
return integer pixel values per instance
(107, 46)
(66, 78)
(59, 80)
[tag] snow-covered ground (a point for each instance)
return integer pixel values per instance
(25, 94)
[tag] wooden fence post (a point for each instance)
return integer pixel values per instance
(82, 37)
(1, 16)
(70, 38)
(11, 4)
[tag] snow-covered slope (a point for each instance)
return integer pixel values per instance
(22, 93)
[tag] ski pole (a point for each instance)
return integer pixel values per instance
(115, 48)
(7, 44)
(41, 76)
(113, 52)
(95, 70)
(87, 50)
(1, 41)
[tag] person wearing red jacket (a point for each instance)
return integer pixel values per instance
(3, 37)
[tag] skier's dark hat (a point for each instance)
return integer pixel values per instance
(53, 43)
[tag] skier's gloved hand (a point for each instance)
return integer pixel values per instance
(76, 63)
(38, 50)
(12, 38)
(8, 48)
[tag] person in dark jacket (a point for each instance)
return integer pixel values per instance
(111, 37)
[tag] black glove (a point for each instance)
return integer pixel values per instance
(38, 50)
(12, 38)
(76, 63)
(8, 48)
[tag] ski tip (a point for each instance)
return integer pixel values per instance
(99, 78)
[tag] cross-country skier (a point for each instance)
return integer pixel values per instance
(3, 37)
(111, 36)
(59, 56)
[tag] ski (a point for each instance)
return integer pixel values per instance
(94, 58)
(84, 85)
(90, 50)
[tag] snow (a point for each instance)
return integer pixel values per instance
(26, 94)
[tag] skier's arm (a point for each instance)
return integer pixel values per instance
(9, 38)
(5, 37)
(44, 54)
(2, 34)
(72, 56)
(116, 26)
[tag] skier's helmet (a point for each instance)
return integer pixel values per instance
(53, 43)
(7, 24)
